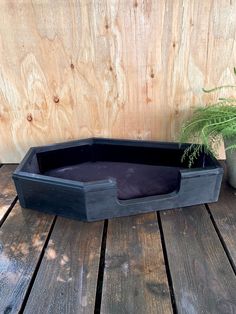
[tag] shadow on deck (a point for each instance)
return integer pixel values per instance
(177, 261)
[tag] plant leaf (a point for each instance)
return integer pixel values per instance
(217, 88)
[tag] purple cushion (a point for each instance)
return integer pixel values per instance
(133, 180)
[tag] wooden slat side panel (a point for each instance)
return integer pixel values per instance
(7, 189)
(22, 237)
(224, 215)
(67, 278)
(203, 279)
(135, 279)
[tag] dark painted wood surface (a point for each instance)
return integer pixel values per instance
(66, 267)
(135, 278)
(67, 279)
(203, 279)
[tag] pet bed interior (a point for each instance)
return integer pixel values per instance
(72, 179)
(133, 180)
(139, 171)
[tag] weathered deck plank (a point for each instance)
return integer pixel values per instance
(224, 214)
(67, 278)
(135, 279)
(7, 189)
(203, 279)
(134, 276)
(22, 237)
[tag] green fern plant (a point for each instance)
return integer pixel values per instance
(208, 125)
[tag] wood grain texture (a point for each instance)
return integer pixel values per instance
(22, 237)
(224, 215)
(67, 278)
(7, 189)
(124, 69)
(135, 279)
(203, 279)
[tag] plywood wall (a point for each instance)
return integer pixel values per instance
(110, 68)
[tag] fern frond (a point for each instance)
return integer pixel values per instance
(217, 88)
(231, 147)
(209, 124)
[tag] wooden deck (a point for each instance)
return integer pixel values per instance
(178, 261)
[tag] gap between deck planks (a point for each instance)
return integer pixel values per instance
(67, 282)
(202, 277)
(67, 278)
(69, 268)
(223, 214)
(22, 237)
(135, 279)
